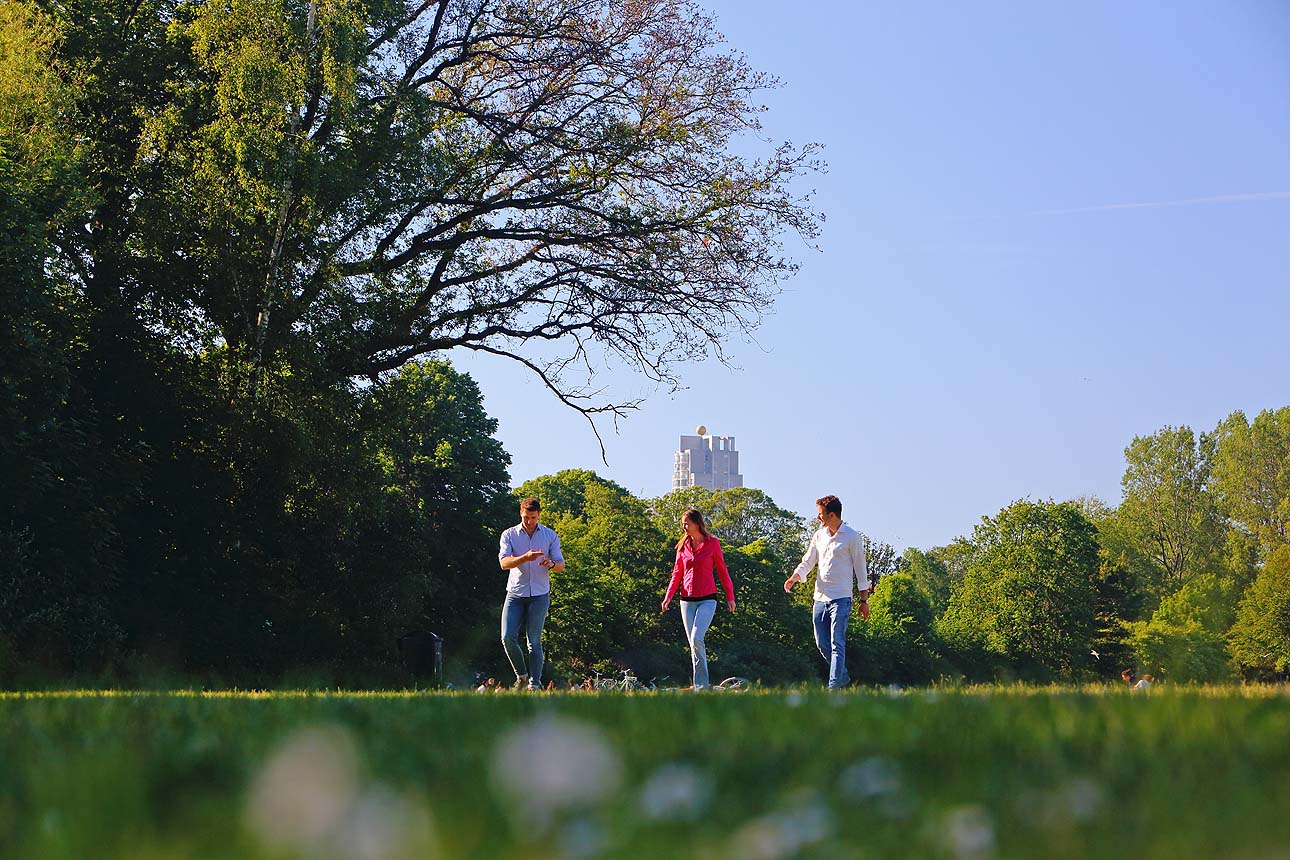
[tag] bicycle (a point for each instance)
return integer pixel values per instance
(734, 684)
(626, 682)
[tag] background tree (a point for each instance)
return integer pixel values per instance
(1118, 592)
(444, 498)
(1184, 640)
(930, 575)
(1185, 653)
(898, 644)
(1252, 474)
(737, 516)
(1167, 503)
(880, 560)
(1027, 596)
(351, 186)
(1260, 639)
(63, 486)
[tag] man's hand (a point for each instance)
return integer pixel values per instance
(730, 604)
(665, 605)
(531, 555)
(864, 609)
(788, 583)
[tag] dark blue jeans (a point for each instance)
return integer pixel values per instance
(831, 637)
(531, 613)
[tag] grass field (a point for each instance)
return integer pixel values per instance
(978, 773)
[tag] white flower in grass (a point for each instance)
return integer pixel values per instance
(876, 783)
(552, 764)
(676, 791)
(304, 789)
(308, 801)
(873, 777)
(783, 833)
(968, 833)
(385, 825)
(1082, 798)
(1078, 799)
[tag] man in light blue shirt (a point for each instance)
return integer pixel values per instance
(838, 549)
(530, 551)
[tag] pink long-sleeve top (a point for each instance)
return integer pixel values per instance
(692, 573)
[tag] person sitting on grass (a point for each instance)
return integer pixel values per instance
(1135, 683)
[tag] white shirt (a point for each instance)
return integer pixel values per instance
(841, 560)
(529, 579)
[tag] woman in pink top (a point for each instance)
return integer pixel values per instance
(698, 554)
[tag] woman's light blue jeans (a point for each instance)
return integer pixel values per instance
(697, 617)
(831, 637)
(531, 612)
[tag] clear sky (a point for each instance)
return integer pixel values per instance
(1051, 227)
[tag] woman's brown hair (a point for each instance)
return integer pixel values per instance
(695, 517)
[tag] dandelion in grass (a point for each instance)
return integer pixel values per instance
(553, 764)
(870, 778)
(1076, 800)
(968, 833)
(676, 791)
(876, 782)
(309, 801)
(783, 833)
(304, 789)
(386, 825)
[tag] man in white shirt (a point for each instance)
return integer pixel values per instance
(838, 549)
(531, 552)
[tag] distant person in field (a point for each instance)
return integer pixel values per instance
(1135, 683)
(698, 556)
(530, 551)
(838, 551)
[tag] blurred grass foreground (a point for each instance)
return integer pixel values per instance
(977, 773)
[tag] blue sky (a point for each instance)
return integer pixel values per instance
(987, 317)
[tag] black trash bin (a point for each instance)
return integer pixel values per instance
(422, 655)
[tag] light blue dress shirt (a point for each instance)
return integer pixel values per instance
(529, 579)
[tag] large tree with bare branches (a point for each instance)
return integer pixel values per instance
(226, 215)
(364, 183)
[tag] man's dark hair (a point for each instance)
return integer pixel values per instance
(530, 504)
(831, 505)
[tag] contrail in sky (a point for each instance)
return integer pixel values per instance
(1222, 198)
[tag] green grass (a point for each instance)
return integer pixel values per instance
(975, 773)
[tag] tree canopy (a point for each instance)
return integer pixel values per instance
(355, 185)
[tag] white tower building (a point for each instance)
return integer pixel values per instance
(708, 461)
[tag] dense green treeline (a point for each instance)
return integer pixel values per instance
(1186, 579)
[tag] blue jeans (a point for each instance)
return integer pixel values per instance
(831, 637)
(531, 612)
(697, 616)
